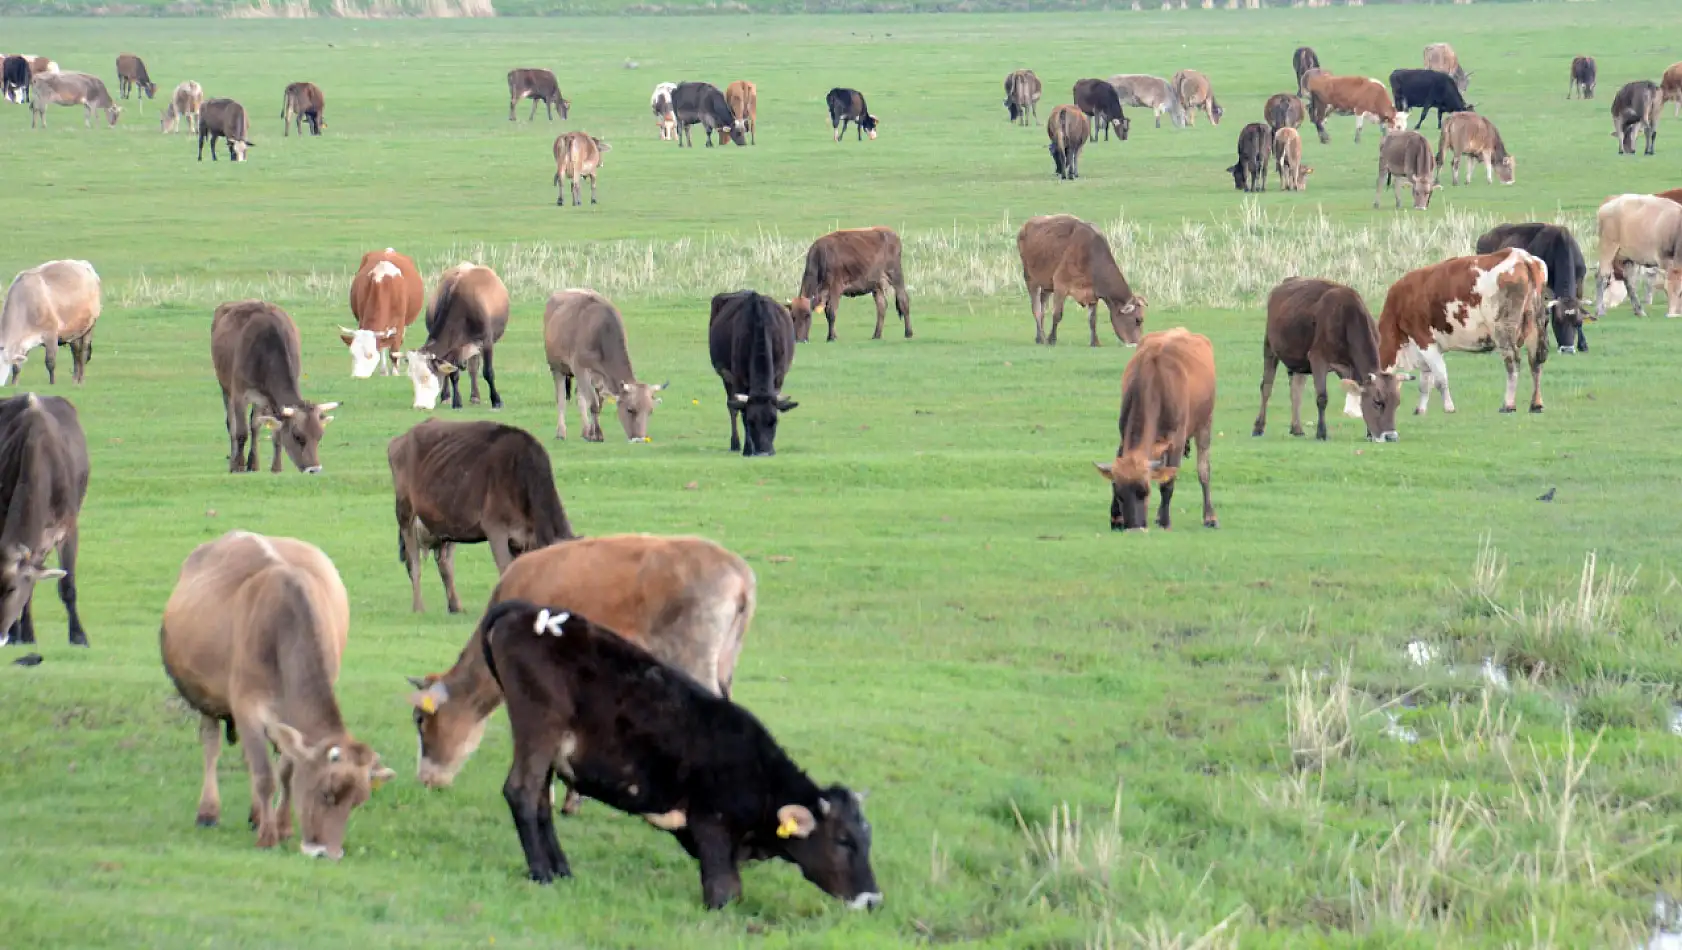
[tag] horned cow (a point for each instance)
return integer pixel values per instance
(224, 119)
(851, 263)
(43, 485)
(468, 315)
(256, 353)
(584, 341)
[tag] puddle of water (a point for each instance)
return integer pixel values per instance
(1676, 720)
(1395, 730)
(1667, 926)
(1420, 653)
(1494, 675)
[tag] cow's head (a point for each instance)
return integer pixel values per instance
(112, 113)
(830, 846)
(736, 131)
(1215, 111)
(1120, 126)
(800, 311)
(298, 430)
(237, 147)
(150, 89)
(561, 105)
(869, 124)
(170, 120)
(329, 779)
(449, 729)
(428, 372)
(364, 349)
(20, 570)
(1378, 394)
(1567, 317)
(760, 412)
(1128, 319)
(1505, 169)
(1130, 489)
(1239, 180)
(636, 402)
(1302, 176)
(1423, 189)
(1396, 123)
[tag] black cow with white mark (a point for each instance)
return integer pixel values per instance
(847, 105)
(700, 103)
(1566, 271)
(751, 340)
(1426, 89)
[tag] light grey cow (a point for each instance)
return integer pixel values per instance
(53, 305)
(70, 89)
(185, 104)
(584, 338)
(1149, 92)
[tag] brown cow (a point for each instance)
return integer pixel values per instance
(851, 263)
(1472, 304)
(471, 483)
(468, 315)
(224, 119)
(1670, 87)
(1643, 230)
(1192, 89)
(1441, 57)
(1287, 160)
(1062, 257)
(252, 638)
(577, 155)
(71, 89)
(1283, 110)
(51, 305)
(1674, 194)
(1360, 96)
(743, 97)
(303, 101)
(686, 600)
(1316, 327)
(255, 349)
(1022, 95)
(43, 485)
(1303, 60)
(184, 104)
(584, 339)
(1582, 77)
(1167, 400)
(1406, 155)
(131, 75)
(1068, 130)
(538, 85)
(1475, 137)
(385, 297)
(1637, 106)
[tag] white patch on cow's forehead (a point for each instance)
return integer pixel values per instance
(384, 269)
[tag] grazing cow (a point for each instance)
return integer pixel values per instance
(751, 340)
(1475, 137)
(1582, 77)
(43, 484)
(469, 312)
(1287, 160)
(1555, 247)
(1360, 96)
(1472, 304)
(1316, 327)
(622, 727)
(14, 78)
(131, 75)
(471, 483)
(1022, 95)
(700, 103)
(385, 297)
(303, 102)
(1167, 400)
(584, 339)
(1645, 230)
(1068, 130)
(224, 119)
(1192, 89)
(743, 97)
(847, 105)
(1149, 92)
(1636, 106)
(1255, 143)
(577, 155)
(685, 600)
(851, 263)
(661, 103)
(1670, 86)
(538, 85)
(71, 89)
(1442, 58)
(1097, 100)
(55, 304)
(252, 637)
(1283, 110)
(1406, 155)
(1063, 257)
(184, 104)
(256, 352)
(1303, 60)
(1425, 89)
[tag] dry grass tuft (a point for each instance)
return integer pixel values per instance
(1319, 718)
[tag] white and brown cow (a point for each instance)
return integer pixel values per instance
(1360, 96)
(53, 305)
(661, 103)
(385, 297)
(1644, 230)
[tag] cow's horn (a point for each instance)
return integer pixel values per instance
(346, 330)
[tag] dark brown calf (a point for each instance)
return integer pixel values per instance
(851, 263)
(1316, 327)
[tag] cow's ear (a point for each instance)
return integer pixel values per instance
(1108, 471)
(795, 821)
(1352, 387)
(346, 337)
(429, 699)
(288, 740)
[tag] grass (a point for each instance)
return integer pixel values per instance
(945, 618)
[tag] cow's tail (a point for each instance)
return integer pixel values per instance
(441, 303)
(566, 383)
(535, 482)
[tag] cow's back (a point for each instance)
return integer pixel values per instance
(61, 297)
(581, 329)
(736, 325)
(225, 117)
(1043, 243)
(413, 295)
(1171, 376)
(1641, 222)
(247, 335)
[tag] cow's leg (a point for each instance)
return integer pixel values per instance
(1270, 368)
(511, 101)
(590, 408)
(1056, 318)
(283, 811)
(902, 300)
(210, 796)
(1438, 377)
(234, 417)
(1296, 383)
(1360, 119)
(1538, 356)
(67, 585)
(274, 439)
(881, 298)
(832, 304)
(408, 543)
(1092, 320)
(490, 380)
(454, 384)
(533, 116)
(546, 826)
(502, 549)
(23, 631)
(1630, 290)
(721, 881)
(1036, 302)
(251, 444)
(255, 743)
(730, 405)
(445, 554)
(1319, 369)
(49, 356)
(573, 801)
(527, 794)
(1203, 442)
(1165, 492)
(1509, 358)
(592, 189)
(560, 404)
(1378, 189)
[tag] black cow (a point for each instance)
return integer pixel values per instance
(43, 482)
(847, 105)
(643, 737)
(1582, 77)
(701, 103)
(1426, 89)
(1098, 100)
(1255, 147)
(14, 79)
(751, 340)
(1566, 271)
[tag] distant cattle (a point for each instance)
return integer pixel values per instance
(1302, 61)
(1068, 130)
(1097, 99)
(1636, 107)
(1441, 58)
(1149, 92)
(469, 312)
(1426, 89)
(584, 341)
(743, 97)
(1644, 230)
(847, 105)
(1475, 137)
(686, 600)
(1022, 95)
(43, 484)
(661, 102)
(577, 155)
(1316, 327)
(1360, 96)
(1473, 304)
(1062, 257)
(14, 78)
(224, 119)
(385, 297)
(1167, 402)
(70, 89)
(538, 85)
(303, 102)
(1557, 249)
(252, 638)
(1582, 77)
(1406, 156)
(622, 727)
(1283, 110)
(471, 483)
(851, 263)
(751, 340)
(51, 305)
(1670, 86)
(256, 353)
(1192, 89)
(700, 103)
(1255, 144)
(1287, 160)
(184, 104)
(131, 76)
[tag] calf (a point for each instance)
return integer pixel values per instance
(224, 119)
(70, 89)
(1360, 96)
(1287, 160)
(1283, 110)
(1316, 327)
(584, 339)
(538, 85)
(1427, 89)
(256, 353)
(1406, 155)
(1475, 137)
(661, 102)
(52, 305)
(1149, 92)
(1167, 400)
(847, 105)
(743, 97)
(1022, 95)
(469, 312)
(1192, 89)
(1303, 60)
(685, 600)
(751, 340)
(385, 297)
(700, 103)
(1068, 130)
(1442, 58)
(184, 104)
(303, 102)
(1255, 142)
(43, 484)
(471, 483)
(851, 263)
(1097, 100)
(252, 638)
(1636, 106)
(131, 76)
(1473, 304)
(1558, 251)
(1582, 77)
(577, 155)
(1063, 257)
(1645, 230)
(1670, 87)
(14, 78)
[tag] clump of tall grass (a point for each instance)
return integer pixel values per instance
(1319, 719)
(1559, 634)
(1067, 847)
(1159, 935)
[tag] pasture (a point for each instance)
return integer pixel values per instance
(1230, 719)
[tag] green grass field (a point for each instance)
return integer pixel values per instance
(945, 618)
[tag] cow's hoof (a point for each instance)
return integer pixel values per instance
(1507, 409)
(206, 820)
(1536, 409)
(1256, 433)
(1297, 433)
(1211, 522)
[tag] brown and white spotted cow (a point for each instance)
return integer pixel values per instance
(385, 297)
(1360, 96)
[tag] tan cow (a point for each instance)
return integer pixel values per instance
(1670, 87)
(252, 638)
(577, 155)
(1360, 96)
(70, 89)
(1167, 400)
(1475, 137)
(1149, 92)
(1287, 160)
(55, 304)
(1192, 89)
(1406, 156)
(1643, 230)
(584, 339)
(386, 295)
(1063, 257)
(1442, 58)
(743, 97)
(189, 96)
(686, 600)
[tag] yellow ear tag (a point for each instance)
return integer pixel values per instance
(788, 828)
(428, 705)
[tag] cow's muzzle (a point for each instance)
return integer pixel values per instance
(869, 900)
(313, 470)
(312, 850)
(1568, 349)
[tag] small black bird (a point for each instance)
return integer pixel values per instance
(1547, 495)
(33, 659)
